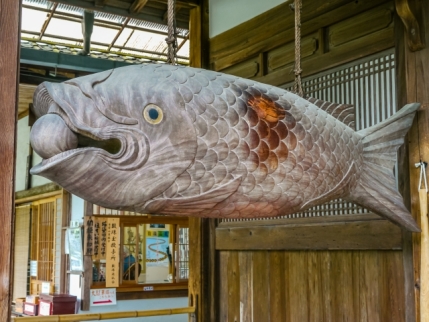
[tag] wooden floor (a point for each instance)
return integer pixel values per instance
(311, 286)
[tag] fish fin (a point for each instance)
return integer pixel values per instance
(376, 188)
(195, 204)
(342, 112)
(334, 193)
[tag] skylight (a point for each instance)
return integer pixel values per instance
(59, 24)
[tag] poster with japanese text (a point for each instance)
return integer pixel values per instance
(103, 296)
(112, 252)
(74, 237)
(95, 237)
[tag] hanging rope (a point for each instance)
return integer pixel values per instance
(298, 85)
(171, 40)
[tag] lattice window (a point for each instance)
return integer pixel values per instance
(367, 84)
(183, 253)
(46, 216)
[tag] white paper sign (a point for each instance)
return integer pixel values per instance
(103, 296)
(33, 268)
(46, 288)
(44, 308)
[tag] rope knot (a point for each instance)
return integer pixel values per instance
(170, 40)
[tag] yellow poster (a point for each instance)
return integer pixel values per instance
(112, 252)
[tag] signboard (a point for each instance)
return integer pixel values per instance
(95, 237)
(75, 248)
(103, 238)
(113, 252)
(33, 268)
(46, 288)
(89, 235)
(103, 296)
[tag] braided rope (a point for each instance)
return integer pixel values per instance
(171, 40)
(298, 85)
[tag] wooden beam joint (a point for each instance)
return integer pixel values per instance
(415, 34)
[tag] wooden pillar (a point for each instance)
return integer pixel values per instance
(87, 267)
(9, 67)
(412, 65)
(202, 253)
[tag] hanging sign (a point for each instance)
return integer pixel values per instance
(103, 296)
(75, 248)
(112, 252)
(103, 238)
(95, 237)
(89, 236)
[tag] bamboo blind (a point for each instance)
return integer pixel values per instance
(21, 251)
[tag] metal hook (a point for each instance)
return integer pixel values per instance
(422, 166)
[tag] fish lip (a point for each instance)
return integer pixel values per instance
(56, 109)
(46, 164)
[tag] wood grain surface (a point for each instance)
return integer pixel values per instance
(9, 63)
(338, 232)
(317, 286)
(412, 79)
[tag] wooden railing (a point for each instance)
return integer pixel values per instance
(105, 316)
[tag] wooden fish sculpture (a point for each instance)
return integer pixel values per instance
(176, 140)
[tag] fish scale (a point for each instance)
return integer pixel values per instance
(262, 139)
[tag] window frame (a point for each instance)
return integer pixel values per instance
(133, 290)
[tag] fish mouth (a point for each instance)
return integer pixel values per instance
(58, 135)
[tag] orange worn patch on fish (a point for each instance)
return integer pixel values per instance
(183, 141)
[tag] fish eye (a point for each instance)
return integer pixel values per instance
(153, 114)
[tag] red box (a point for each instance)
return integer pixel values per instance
(57, 304)
(30, 308)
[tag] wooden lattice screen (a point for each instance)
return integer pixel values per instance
(44, 220)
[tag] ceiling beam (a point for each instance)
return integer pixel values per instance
(48, 20)
(137, 6)
(100, 3)
(122, 11)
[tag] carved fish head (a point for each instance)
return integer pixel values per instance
(125, 136)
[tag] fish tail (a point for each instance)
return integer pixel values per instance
(376, 188)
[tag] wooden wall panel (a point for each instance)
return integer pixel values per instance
(335, 32)
(311, 286)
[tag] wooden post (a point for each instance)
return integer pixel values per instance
(9, 67)
(65, 222)
(87, 268)
(412, 79)
(424, 275)
(202, 253)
